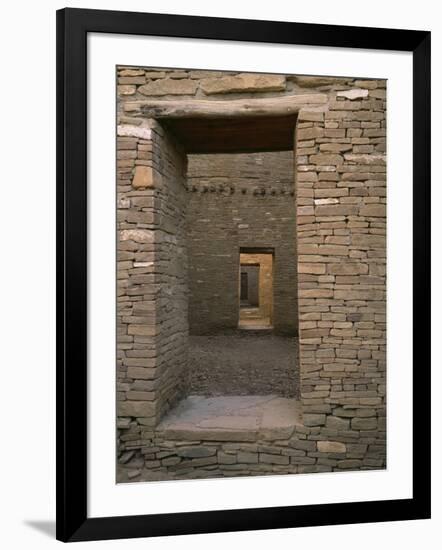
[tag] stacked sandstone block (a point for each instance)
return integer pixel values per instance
(341, 175)
(307, 450)
(152, 274)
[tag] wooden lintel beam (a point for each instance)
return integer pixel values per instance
(200, 108)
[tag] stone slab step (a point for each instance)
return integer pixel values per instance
(232, 418)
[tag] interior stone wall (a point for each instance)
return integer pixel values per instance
(171, 261)
(152, 313)
(341, 279)
(240, 201)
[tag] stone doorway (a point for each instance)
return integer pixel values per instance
(241, 224)
(256, 290)
(333, 131)
(221, 212)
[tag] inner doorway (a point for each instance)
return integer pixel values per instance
(256, 289)
(223, 201)
(249, 293)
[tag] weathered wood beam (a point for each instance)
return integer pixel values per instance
(200, 108)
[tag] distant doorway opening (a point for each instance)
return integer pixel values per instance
(256, 289)
(249, 296)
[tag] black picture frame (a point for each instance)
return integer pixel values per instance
(73, 25)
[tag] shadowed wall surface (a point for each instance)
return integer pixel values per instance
(236, 201)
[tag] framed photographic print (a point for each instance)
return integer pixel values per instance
(243, 274)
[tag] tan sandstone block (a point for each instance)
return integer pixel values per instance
(143, 177)
(331, 192)
(131, 80)
(364, 424)
(316, 293)
(373, 210)
(314, 419)
(368, 241)
(126, 89)
(326, 201)
(136, 408)
(313, 269)
(140, 395)
(335, 147)
(368, 84)
(337, 210)
(343, 240)
(137, 235)
(325, 159)
(378, 94)
(130, 130)
(305, 211)
(309, 133)
(313, 81)
(332, 250)
(169, 86)
(347, 268)
(142, 330)
(131, 72)
(363, 294)
(140, 373)
(311, 116)
(365, 159)
(244, 82)
(331, 447)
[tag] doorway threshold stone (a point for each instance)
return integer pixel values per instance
(231, 418)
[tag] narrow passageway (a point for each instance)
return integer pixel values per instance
(256, 290)
(241, 233)
(251, 318)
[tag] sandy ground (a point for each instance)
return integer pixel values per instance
(244, 363)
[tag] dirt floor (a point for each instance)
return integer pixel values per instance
(244, 363)
(251, 318)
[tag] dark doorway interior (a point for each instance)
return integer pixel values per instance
(244, 297)
(249, 295)
(256, 292)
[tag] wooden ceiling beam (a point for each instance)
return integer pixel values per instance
(201, 108)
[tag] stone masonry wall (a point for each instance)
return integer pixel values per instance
(171, 261)
(235, 201)
(152, 270)
(341, 285)
(341, 175)
(176, 459)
